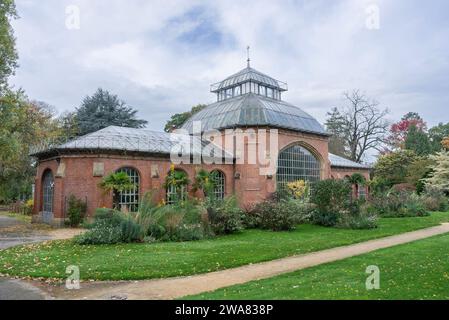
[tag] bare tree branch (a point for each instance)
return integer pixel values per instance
(360, 125)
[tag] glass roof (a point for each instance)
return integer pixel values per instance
(126, 139)
(337, 161)
(248, 74)
(252, 109)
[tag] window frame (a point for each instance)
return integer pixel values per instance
(220, 188)
(297, 162)
(130, 198)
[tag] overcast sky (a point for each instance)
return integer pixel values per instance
(161, 56)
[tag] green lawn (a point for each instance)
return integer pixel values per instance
(418, 270)
(144, 261)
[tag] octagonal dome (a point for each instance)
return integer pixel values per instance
(254, 110)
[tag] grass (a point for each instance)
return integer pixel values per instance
(145, 261)
(418, 270)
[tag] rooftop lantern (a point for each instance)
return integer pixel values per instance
(247, 81)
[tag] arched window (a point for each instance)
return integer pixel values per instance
(47, 193)
(219, 184)
(175, 193)
(297, 163)
(130, 198)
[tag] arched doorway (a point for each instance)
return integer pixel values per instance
(47, 196)
(297, 163)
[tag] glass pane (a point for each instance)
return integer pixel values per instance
(297, 163)
(129, 199)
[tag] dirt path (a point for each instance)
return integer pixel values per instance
(14, 232)
(178, 287)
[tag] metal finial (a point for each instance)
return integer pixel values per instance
(247, 53)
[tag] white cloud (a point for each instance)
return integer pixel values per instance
(161, 56)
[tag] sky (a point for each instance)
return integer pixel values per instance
(160, 57)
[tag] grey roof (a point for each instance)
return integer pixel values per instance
(337, 161)
(127, 139)
(246, 75)
(250, 110)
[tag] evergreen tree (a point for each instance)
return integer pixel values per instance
(418, 141)
(104, 109)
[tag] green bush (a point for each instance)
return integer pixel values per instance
(332, 199)
(225, 216)
(330, 195)
(399, 204)
(434, 200)
(282, 215)
(102, 232)
(364, 218)
(109, 227)
(76, 211)
(325, 218)
(180, 222)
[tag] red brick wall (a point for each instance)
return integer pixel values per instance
(341, 173)
(78, 179)
(253, 187)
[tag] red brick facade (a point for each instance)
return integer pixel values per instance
(79, 174)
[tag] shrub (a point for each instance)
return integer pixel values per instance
(278, 216)
(28, 208)
(102, 232)
(109, 227)
(331, 195)
(364, 218)
(225, 216)
(399, 204)
(181, 222)
(434, 200)
(325, 218)
(332, 199)
(299, 189)
(76, 211)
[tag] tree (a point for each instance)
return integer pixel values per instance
(177, 120)
(419, 170)
(437, 134)
(104, 109)
(336, 141)
(392, 168)
(69, 125)
(399, 131)
(23, 125)
(418, 141)
(439, 178)
(8, 52)
(360, 125)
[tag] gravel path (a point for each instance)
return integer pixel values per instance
(178, 287)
